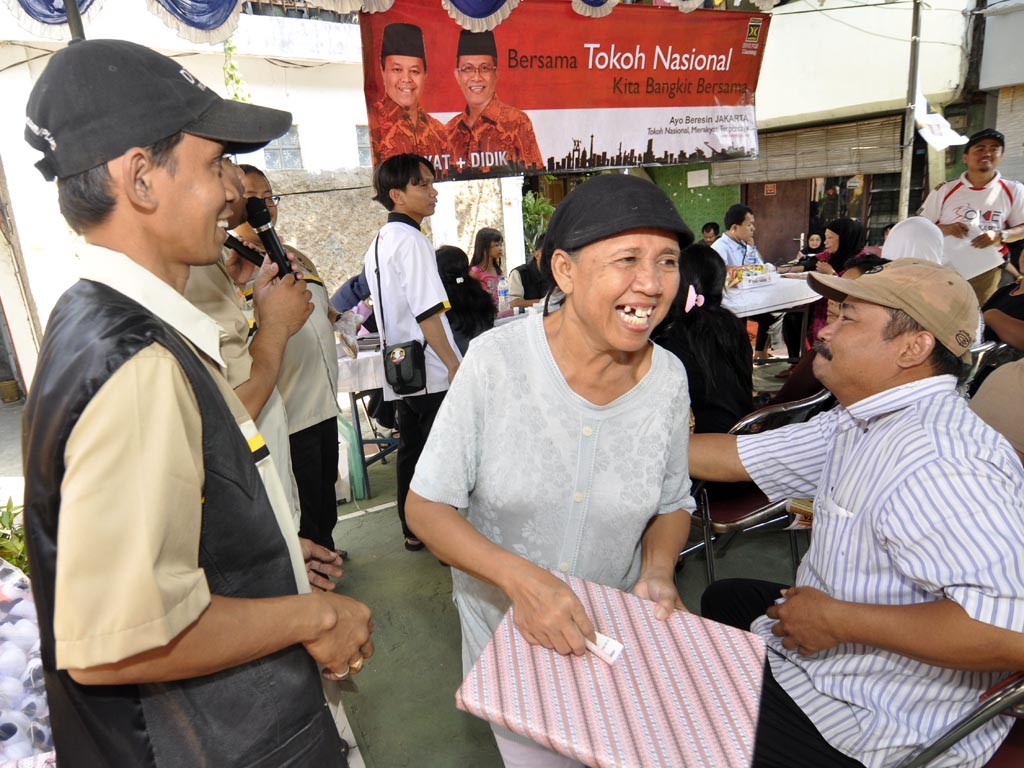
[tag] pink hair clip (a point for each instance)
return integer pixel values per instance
(693, 299)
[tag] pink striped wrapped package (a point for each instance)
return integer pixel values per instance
(684, 692)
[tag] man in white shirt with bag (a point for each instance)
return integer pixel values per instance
(409, 302)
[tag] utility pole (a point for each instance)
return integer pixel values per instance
(908, 118)
(74, 20)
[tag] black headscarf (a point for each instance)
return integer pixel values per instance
(852, 239)
(609, 205)
(808, 251)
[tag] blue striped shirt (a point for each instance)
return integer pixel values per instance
(916, 499)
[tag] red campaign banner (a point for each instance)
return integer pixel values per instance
(551, 91)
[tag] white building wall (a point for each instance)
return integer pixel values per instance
(1001, 63)
(831, 62)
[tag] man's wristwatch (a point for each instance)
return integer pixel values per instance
(1002, 235)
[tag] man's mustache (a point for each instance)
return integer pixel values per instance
(820, 348)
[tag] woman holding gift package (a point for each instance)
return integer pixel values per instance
(565, 437)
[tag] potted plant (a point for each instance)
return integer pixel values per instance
(537, 209)
(12, 536)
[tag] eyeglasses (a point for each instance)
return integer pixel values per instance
(483, 69)
(272, 201)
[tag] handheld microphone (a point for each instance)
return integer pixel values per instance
(244, 250)
(258, 215)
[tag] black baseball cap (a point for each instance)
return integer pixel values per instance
(985, 133)
(98, 98)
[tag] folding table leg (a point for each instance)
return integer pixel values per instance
(359, 441)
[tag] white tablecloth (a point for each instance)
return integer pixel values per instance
(782, 293)
(361, 373)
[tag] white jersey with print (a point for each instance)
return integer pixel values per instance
(997, 205)
(994, 206)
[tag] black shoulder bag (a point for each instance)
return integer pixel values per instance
(405, 365)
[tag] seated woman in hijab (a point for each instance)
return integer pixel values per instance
(802, 382)
(807, 256)
(844, 240)
(565, 436)
(711, 342)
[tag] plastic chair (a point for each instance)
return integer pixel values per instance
(999, 700)
(750, 509)
(980, 354)
(985, 358)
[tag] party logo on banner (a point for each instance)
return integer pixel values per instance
(549, 91)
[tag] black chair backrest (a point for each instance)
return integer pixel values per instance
(784, 414)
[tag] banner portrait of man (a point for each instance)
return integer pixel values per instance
(398, 123)
(643, 85)
(488, 132)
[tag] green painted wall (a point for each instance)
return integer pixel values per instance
(698, 205)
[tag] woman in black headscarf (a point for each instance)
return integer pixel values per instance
(844, 241)
(564, 438)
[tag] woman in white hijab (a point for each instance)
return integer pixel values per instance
(918, 238)
(914, 238)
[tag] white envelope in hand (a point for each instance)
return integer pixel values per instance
(958, 253)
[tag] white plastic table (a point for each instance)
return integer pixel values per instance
(356, 377)
(783, 294)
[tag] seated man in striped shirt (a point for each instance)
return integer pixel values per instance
(900, 614)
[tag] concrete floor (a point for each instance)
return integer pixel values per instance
(404, 712)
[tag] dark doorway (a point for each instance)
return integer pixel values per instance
(780, 211)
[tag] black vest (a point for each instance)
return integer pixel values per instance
(534, 285)
(270, 712)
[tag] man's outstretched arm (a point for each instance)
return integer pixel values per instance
(716, 458)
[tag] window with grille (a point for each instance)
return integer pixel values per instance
(284, 153)
(363, 145)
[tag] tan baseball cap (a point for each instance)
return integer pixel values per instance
(936, 297)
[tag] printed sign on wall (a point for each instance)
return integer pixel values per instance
(549, 91)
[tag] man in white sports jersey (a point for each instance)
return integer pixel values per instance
(978, 213)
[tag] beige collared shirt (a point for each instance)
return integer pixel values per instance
(309, 371)
(128, 578)
(212, 290)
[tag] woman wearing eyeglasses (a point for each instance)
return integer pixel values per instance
(487, 133)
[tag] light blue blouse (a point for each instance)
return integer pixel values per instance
(548, 475)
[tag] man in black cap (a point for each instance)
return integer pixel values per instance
(980, 205)
(398, 124)
(488, 132)
(167, 638)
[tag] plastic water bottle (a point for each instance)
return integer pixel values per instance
(752, 256)
(503, 305)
